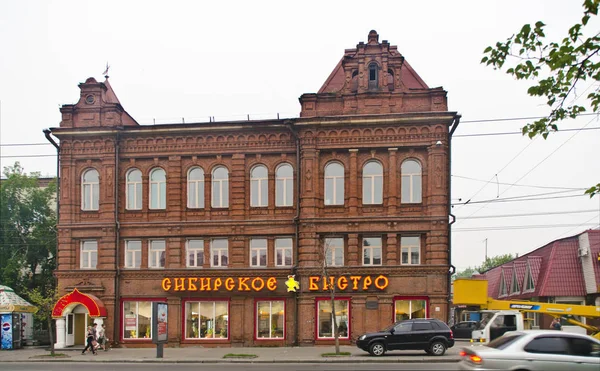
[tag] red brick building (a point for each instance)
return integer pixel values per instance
(213, 218)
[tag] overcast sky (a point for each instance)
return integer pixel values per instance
(190, 59)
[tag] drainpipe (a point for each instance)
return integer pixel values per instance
(117, 237)
(452, 269)
(47, 133)
(289, 125)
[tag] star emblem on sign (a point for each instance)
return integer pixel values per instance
(292, 284)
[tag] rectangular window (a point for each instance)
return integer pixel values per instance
(89, 254)
(258, 252)
(270, 319)
(206, 320)
(334, 252)
(372, 251)
(219, 253)
(410, 308)
(133, 254)
(411, 250)
(283, 252)
(325, 318)
(195, 253)
(157, 254)
(134, 196)
(137, 320)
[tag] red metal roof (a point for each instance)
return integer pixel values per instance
(555, 268)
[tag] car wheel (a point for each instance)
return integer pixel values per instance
(377, 349)
(437, 348)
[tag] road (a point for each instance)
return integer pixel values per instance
(102, 366)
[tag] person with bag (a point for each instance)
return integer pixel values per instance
(102, 340)
(90, 340)
(555, 325)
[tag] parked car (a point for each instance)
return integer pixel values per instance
(463, 330)
(431, 335)
(531, 350)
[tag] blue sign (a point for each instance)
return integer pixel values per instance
(6, 332)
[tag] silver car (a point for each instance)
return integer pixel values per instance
(530, 350)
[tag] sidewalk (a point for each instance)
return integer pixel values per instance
(215, 355)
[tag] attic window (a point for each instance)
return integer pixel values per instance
(502, 286)
(515, 284)
(373, 78)
(529, 286)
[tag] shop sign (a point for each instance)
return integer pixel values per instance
(354, 283)
(219, 284)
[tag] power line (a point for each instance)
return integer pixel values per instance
(531, 214)
(514, 227)
(516, 118)
(494, 200)
(518, 185)
(517, 132)
(28, 156)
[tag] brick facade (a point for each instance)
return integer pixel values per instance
(360, 115)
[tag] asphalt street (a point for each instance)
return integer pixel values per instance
(72, 366)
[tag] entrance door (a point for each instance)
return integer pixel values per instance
(79, 329)
(70, 339)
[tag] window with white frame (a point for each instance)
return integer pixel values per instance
(133, 254)
(372, 183)
(334, 184)
(158, 189)
(220, 187)
(372, 251)
(134, 189)
(283, 252)
(325, 318)
(259, 190)
(410, 308)
(137, 320)
(528, 285)
(157, 254)
(195, 253)
(410, 249)
(219, 253)
(206, 320)
(195, 188)
(284, 185)
(503, 290)
(270, 319)
(89, 254)
(258, 252)
(90, 190)
(334, 251)
(411, 182)
(514, 287)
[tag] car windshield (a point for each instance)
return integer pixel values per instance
(390, 327)
(504, 341)
(485, 318)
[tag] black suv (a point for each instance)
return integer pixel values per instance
(431, 335)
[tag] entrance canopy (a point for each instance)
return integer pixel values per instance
(66, 304)
(11, 302)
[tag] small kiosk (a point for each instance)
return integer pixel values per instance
(16, 319)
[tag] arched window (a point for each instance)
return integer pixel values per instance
(259, 190)
(284, 185)
(158, 189)
(411, 182)
(373, 76)
(372, 183)
(134, 189)
(195, 196)
(334, 184)
(220, 187)
(90, 190)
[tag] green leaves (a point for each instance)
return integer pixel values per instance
(557, 69)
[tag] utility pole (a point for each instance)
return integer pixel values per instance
(485, 249)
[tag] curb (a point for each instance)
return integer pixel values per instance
(192, 361)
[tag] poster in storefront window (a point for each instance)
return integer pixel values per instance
(160, 322)
(130, 322)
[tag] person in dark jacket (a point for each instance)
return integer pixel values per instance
(91, 334)
(555, 325)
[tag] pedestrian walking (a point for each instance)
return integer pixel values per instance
(90, 340)
(102, 339)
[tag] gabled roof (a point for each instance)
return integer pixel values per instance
(555, 268)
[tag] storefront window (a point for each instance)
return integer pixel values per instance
(270, 319)
(325, 318)
(410, 308)
(206, 320)
(137, 318)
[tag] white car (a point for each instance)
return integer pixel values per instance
(530, 350)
